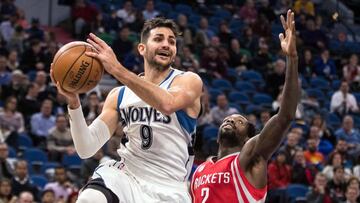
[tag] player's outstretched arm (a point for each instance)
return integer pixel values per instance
(273, 132)
(184, 91)
(89, 139)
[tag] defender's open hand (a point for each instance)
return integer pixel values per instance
(288, 42)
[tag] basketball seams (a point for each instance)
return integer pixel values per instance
(57, 57)
(87, 77)
(69, 69)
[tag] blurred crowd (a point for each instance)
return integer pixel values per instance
(234, 47)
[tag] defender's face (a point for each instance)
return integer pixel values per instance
(233, 126)
(160, 48)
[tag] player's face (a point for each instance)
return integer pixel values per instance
(160, 48)
(233, 129)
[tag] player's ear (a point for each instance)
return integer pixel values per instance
(141, 48)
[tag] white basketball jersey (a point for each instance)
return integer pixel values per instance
(159, 146)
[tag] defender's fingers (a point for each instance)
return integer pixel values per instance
(282, 19)
(281, 37)
(95, 46)
(97, 40)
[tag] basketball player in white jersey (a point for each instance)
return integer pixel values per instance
(158, 114)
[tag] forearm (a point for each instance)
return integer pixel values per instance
(87, 139)
(152, 94)
(291, 90)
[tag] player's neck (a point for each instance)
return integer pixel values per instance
(156, 76)
(224, 151)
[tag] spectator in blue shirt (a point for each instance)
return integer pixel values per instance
(350, 134)
(42, 122)
(325, 66)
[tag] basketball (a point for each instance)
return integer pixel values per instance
(75, 71)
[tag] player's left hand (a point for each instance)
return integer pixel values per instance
(103, 53)
(288, 42)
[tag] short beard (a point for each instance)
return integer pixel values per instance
(158, 66)
(228, 138)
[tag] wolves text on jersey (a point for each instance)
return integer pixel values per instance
(142, 114)
(213, 178)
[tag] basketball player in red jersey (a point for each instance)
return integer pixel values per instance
(239, 174)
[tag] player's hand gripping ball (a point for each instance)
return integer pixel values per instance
(75, 71)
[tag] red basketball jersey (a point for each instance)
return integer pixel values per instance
(224, 181)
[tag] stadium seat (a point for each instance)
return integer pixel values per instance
(35, 156)
(333, 120)
(223, 14)
(163, 7)
(236, 106)
(319, 83)
(297, 192)
(316, 93)
(222, 84)
(24, 141)
(211, 146)
(262, 99)
(210, 132)
(335, 84)
(245, 86)
(254, 77)
(12, 152)
(238, 97)
(48, 165)
(357, 96)
(184, 9)
(250, 109)
(325, 147)
(39, 180)
(214, 92)
(71, 160)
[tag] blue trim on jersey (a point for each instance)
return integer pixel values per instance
(120, 97)
(186, 121)
(173, 80)
(171, 72)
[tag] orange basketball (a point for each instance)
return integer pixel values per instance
(75, 71)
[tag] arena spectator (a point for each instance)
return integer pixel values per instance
(6, 170)
(21, 180)
(335, 160)
(59, 141)
(337, 185)
(343, 101)
(6, 195)
(62, 187)
(150, 12)
(221, 110)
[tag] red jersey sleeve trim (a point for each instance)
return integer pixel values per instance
(256, 193)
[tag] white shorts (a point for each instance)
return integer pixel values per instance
(130, 187)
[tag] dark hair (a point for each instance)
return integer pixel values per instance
(158, 22)
(250, 130)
